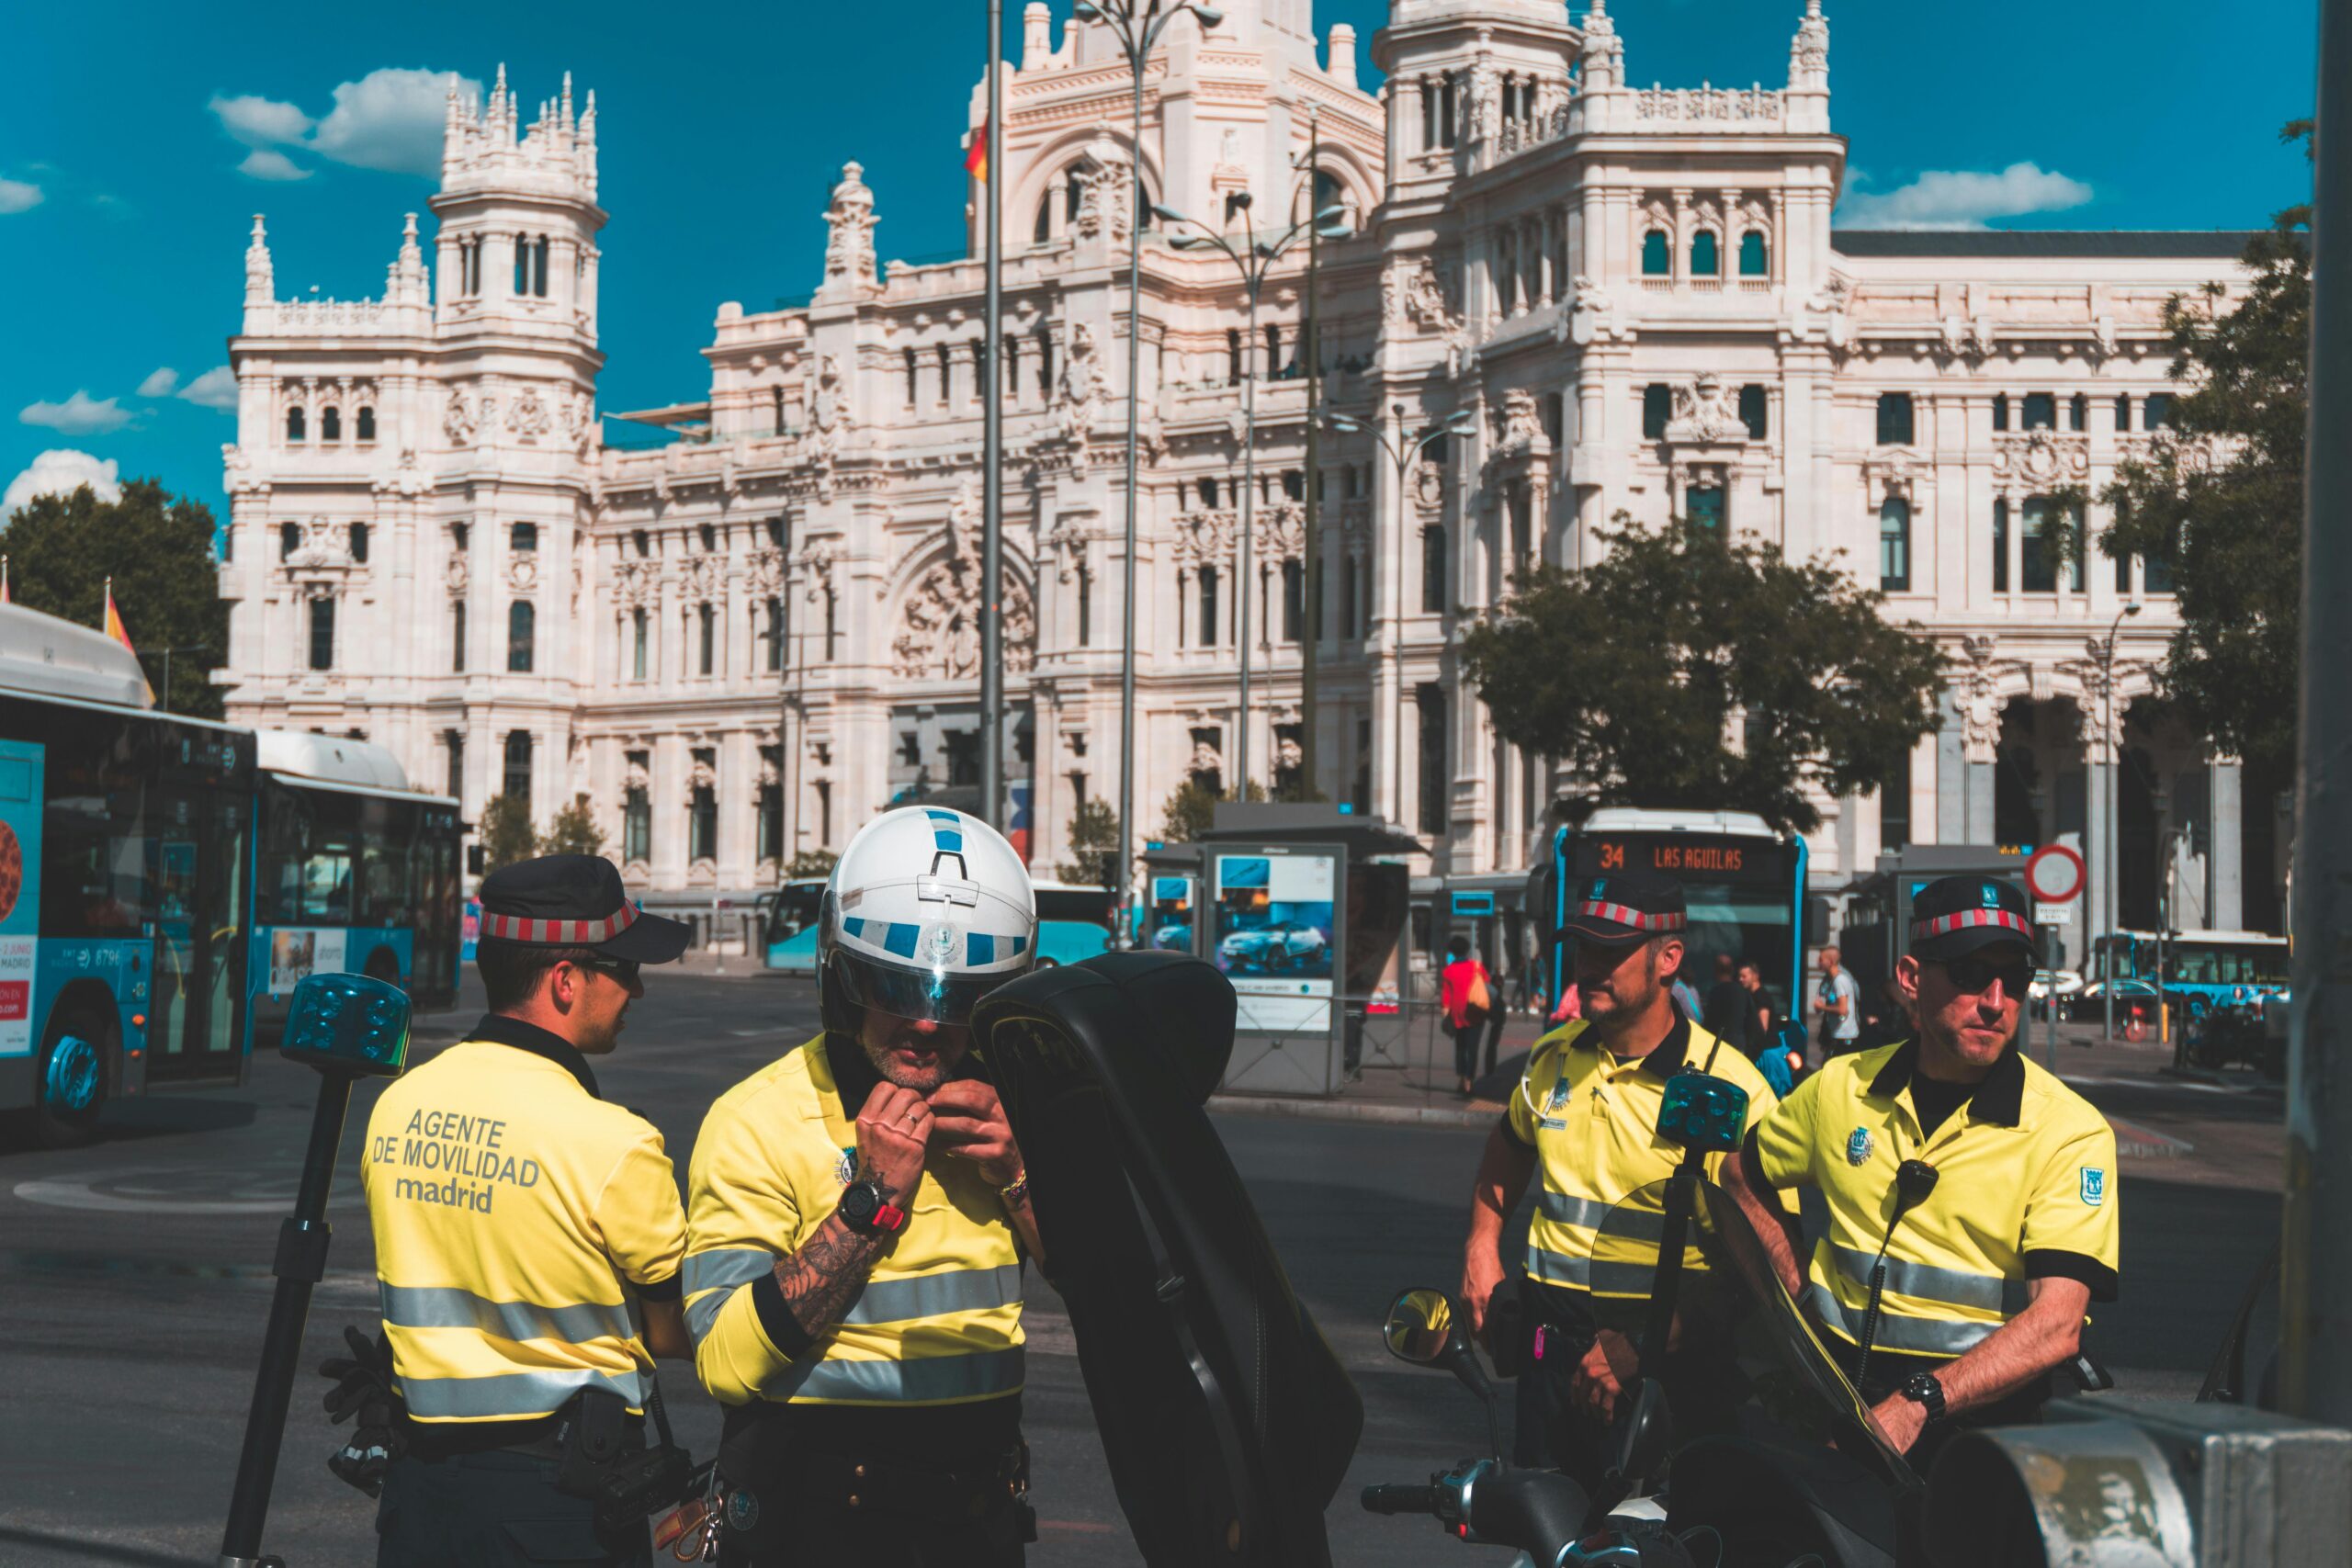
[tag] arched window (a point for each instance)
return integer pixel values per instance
(539, 268)
(1657, 260)
(323, 633)
(1294, 599)
(1208, 607)
(521, 627)
(2040, 410)
(359, 542)
(640, 542)
(775, 634)
(2000, 410)
(911, 377)
(702, 823)
(515, 782)
(2123, 414)
(1042, 231)
(1894, 545)
(2000, 545)
(523, 538)
(1894, 424)
(636, 825)
(1208, 493)
(457, 636)
(2078, 412)
(1755, 411)
(1706, 256)
(1233, 357)
(1658, 407)
(1073, 197)
(946, 372)
(640, 639)
(330, 423)
(1755, 256)
(708, 534)
(1274, 352)
(294, 425)
(367, 422)
(522, 265)
(2155, 410)
(706, 619)
(1143, 203)
(289, 539)
(1433, 569)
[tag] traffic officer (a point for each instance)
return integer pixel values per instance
(1586, 1109)
(525, 1231)
(1970, 1194)
(858, 1216)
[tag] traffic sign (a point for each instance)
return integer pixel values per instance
(2054, 875)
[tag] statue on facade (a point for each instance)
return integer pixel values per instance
(849, 230)
(1706, 412)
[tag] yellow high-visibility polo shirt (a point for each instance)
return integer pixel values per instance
(2025, 1188)
(939, 1319)
(516, 1215)
(1592, 1121)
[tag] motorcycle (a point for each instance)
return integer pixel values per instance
(1734, 1442)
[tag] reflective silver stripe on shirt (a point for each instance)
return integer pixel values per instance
(1919, 1336)
(1582, 1273)
(935, 1295)
(509, 1393)
(724, 1266)
(446, 1306)
(1618, 1220)
(929, 1381)
(1952, 1287)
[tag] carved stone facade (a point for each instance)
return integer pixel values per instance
(1635, 294)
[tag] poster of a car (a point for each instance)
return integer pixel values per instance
(1273, 916)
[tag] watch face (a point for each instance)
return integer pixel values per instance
(859, 1201)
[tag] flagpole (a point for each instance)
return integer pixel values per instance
(992, 449)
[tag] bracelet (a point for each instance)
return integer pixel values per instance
(1016, 1191)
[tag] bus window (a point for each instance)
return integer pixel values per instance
(94, 836)
(386, 831)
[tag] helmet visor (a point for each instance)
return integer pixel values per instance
(934, 996)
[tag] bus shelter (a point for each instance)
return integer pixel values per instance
(1878, 905)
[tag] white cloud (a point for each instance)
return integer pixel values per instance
(16, 195)
(267, 163)
(389, 119)
(258, 121)
(159, 383)
(61, 471)
(1948, 198)
(216, 389)
(79, 414)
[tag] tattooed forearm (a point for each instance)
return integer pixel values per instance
(821, 1279)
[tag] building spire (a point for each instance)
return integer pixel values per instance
(260, 285)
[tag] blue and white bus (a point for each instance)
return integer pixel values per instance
(1743, 883)
(2201, 970)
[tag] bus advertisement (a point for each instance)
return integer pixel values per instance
(1743, 883)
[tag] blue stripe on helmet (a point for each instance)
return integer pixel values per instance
(1019, 943)
(951, 843)
(854, 925)
(938, 816)
(979, 948)
(900, 939)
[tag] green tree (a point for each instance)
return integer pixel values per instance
(574, 831)
(811, 863)
(1094, 841)
(1637, 672)
(2216, 500)
(158, 550)
(505, 831)
(1191, 810)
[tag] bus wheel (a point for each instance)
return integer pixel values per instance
(72, 1083)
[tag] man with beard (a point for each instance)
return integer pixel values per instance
(1587, 1111)
(858, 1216)
(1971, 1208)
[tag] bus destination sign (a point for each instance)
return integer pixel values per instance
(1681, 854)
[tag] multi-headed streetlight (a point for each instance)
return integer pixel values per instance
(1138, 30)
(1255, 257)
(1403, 452)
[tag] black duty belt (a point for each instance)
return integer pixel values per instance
(946, 1493)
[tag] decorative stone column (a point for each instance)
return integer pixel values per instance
(2225, 859)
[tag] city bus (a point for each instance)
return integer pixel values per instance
(126, 841)
(1743, 883)
(357, 872)
(1074, 923)
(2201, 970)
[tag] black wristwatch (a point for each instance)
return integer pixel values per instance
(865, 1209)
(1928, 1391)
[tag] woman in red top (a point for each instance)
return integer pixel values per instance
(1464, 1021)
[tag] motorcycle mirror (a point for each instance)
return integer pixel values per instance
(1420, 1326)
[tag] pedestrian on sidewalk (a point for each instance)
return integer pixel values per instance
(1759, 1020)
(1837, 1003)
(1725, 996)
(1466, 995)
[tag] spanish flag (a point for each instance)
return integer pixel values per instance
(975, 160)
(115, 630)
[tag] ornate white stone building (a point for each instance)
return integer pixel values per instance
(741, 643)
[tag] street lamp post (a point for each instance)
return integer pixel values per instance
(1137, 33)
(1402, 453)
(1255, 258)
(2105, 651)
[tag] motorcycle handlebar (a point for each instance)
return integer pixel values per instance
(1399, 1499)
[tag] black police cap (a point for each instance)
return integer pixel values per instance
(1956, 914)
(1631, 906)
(575, 901)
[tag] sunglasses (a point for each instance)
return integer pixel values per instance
(1972, 973)
(621, 969)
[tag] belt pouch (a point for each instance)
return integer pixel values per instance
(588, 1439)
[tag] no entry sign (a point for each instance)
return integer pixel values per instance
(2053, 873)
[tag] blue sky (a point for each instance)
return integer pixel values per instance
(137, 141)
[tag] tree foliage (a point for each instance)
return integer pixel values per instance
(505, 831)
(811, 863)
(2218, 497)
(1191, 810)
(1685, 670)
(158, 550)
(574, 831)
(1094, 843)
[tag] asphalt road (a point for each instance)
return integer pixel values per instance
(134, 1281)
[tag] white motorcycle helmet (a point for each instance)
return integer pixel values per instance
(927, 910)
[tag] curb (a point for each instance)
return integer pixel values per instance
(1296, 1108)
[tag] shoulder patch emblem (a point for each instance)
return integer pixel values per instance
(845, 1168)
(1559, 1096)
(2094, 1186)
(1859, 1145)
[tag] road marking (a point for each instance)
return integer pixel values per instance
(126, 1192)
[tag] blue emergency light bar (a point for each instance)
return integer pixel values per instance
(347, 1024)
(1701, 1111)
